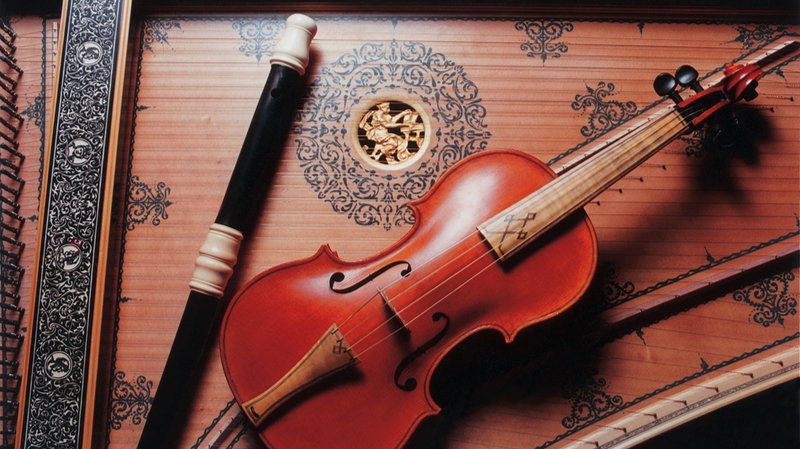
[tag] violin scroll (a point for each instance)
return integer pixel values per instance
(740, 82)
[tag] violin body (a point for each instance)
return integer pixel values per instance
(401, 310)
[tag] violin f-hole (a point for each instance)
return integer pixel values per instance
(338, 277)
(410, 384)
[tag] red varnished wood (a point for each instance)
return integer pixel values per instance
(278, 316)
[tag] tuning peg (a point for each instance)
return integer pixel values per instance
(687, 77)
(665, 84)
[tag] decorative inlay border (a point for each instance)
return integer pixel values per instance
(145, 203)
(259, 35)
(213, 423)
(36, 112)
(612, 301)
(60, 330)
(613, 291)
(769, 298)
(142, 203)
(698, 405)
(130, 400)
(605, 114)
(378, 72)
(589, 400)
(624, 406)
(751, 36)
(157, 30)
(544, 37)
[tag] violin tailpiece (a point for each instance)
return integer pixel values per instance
(330, 355)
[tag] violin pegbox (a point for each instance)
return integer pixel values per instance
(739, 83)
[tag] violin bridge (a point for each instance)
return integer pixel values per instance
(330, 355)
(390, 305)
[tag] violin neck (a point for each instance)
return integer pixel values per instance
(518, 225)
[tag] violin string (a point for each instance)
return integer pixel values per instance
(396, 280)
(422, 296)
(688, 116)
(651, 127)
(359, 309)
(494, 261)
(435, 303)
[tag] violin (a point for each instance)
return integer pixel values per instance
(324, 352)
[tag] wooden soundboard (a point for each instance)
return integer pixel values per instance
(712, 219)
